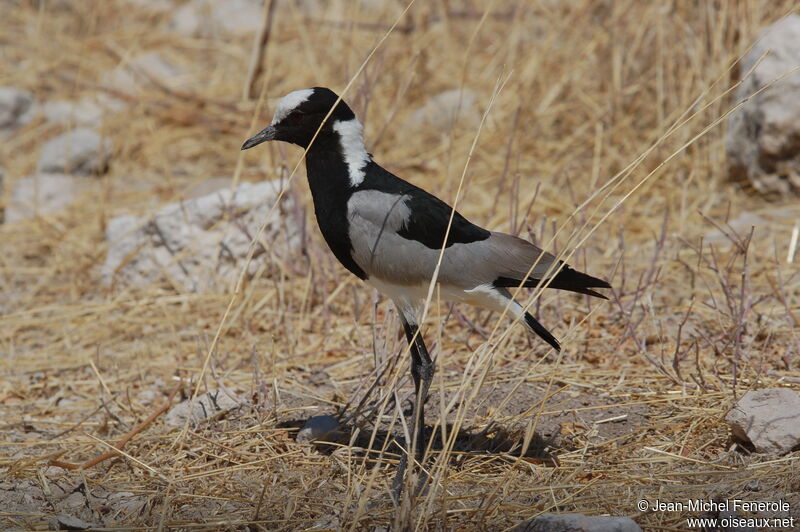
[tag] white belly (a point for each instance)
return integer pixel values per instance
(410, 299)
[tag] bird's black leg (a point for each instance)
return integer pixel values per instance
(422, 372)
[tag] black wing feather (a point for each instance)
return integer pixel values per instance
(539, 329)
(429, 217)
(567, 279)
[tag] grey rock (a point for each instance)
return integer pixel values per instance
(16, 108)
(84, 112)
(148, 396)
(135, 75)
(577, 523)
(74, 500)
(69, 522)
(41, 194)
(768, 419)
(762, 135)
(202, 243)
(326, 523)
(211, 19)
(126, 502)
(206, 187)
(445, 108)
(80, 151)
(202, 407)
(739, 227)
(317, 428)
(155, 6)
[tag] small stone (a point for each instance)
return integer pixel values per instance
(739, 227)
(210, 19)
(80, 151)
(16, 107)
(317, 428)
(70, 522)
(447, 107)
(155, 6)
(326, 523)
(76, 499)
(126, 501)
(577, 523)
(132, 76)
(147, 396)
(768, 419)
(41, 194)
(85, 112)
(761, 142)
(202, 407)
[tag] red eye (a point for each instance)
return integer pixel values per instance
(295, 117)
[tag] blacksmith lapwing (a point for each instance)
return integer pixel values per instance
(389, 233)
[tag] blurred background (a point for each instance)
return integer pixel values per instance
(653, 144)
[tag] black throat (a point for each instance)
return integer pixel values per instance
(329, 180)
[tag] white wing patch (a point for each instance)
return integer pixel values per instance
(290, 102)
(351, 138)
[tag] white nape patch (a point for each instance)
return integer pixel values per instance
(351, 138)
(289, 103)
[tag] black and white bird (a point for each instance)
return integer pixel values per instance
(390, 233)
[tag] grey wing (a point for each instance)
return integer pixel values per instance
(376, 219)
(522, 255)
(381, 246)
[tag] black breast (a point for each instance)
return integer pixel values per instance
(330, 188)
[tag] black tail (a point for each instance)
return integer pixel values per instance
(541, 331)
(567, 279)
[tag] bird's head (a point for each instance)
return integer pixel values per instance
(299, 115)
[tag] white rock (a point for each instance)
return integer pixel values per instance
(80, 151)
(83, 112)
(442, 109)
(577, 523)
(156, 6)
(16, 108)
(202, 407)
(762, 135)
(316, 428)
(341, 10)
(769, 419)
(136, 74)
(147, 396)
(194, 244)
(126, 501)
(41, 194)
(739, 227)
(70, 522)
(210, 18)
(328, 523)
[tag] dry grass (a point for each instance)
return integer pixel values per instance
(594, 94)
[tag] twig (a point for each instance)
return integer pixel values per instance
(257, 54)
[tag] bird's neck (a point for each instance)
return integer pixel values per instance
(336, 164)
(339, 159)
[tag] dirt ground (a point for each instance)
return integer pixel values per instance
(604, 142)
